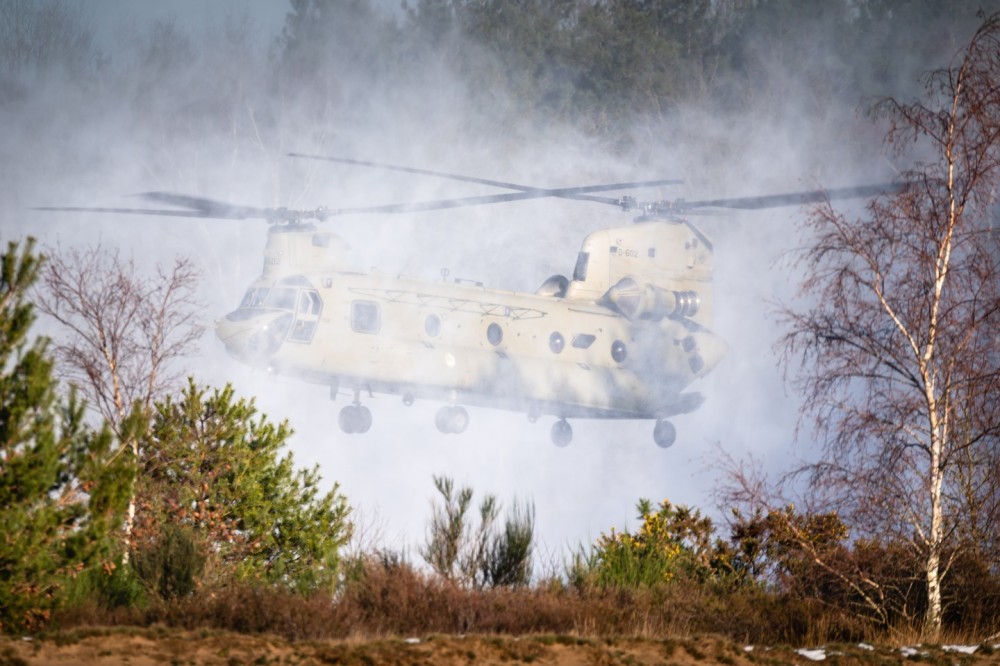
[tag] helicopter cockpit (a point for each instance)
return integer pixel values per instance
(267, 316)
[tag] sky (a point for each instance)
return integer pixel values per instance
(64, 153)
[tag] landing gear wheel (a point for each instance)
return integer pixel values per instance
(364, 419)
(452, 420)
(441, 419)
(664, 434)
(347, 419)
(459, 420)
(562, 433)
(355, 419)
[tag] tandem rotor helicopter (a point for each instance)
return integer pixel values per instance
(622, 338)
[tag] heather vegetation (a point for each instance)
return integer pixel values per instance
(179, 503)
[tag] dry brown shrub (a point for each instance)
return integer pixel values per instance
(383, 598)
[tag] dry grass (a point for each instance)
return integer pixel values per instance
(397, 600)
(158, 646)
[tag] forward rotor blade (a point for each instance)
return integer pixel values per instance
(210, 207)
(200, 207)
(134, 211)
(797, 198)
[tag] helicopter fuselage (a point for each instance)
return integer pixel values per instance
(568, 351)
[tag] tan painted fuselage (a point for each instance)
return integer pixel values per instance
(623, 339)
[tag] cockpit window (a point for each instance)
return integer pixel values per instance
(580, 272)
(281, 298)
(294, 296)
(309, 303)
(258, 297)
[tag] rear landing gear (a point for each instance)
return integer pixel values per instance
(355, 419)
(664, 434)
(452, 420)
(562, 433)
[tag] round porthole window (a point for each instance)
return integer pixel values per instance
(432, 325)
(618, 351)
(494, 334)
(556, 342)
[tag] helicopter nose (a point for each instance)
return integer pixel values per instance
(253, 337)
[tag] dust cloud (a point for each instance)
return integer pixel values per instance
(205, 103)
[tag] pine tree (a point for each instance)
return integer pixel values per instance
(212, 465)
(62, 488)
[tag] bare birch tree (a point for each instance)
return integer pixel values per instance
(123, 329)
(899, 348)
(122, 332)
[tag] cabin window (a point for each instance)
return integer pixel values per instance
(557, 342)
(365, 316)
(580, 272)
(432, 325)
(583, 340)
(494, 334)
(618, 351)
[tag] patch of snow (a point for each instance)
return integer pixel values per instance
(911, 652)
(748, 648)
(812, 655)
(865, 646)
(412, 641)
(964, 649)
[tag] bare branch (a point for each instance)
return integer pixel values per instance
(123, 330)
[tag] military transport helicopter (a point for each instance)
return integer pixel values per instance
(623, 338)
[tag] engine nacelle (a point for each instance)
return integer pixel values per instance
(645, 301)
(555, 287)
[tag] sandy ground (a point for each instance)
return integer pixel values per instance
(155, 646)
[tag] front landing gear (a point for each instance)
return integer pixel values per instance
(562, 433)
(664, 434)
(452, 420)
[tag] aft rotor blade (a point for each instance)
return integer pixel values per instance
(535, 192)
(797, 198)
(441, 204)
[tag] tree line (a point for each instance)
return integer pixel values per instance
(614, 70)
